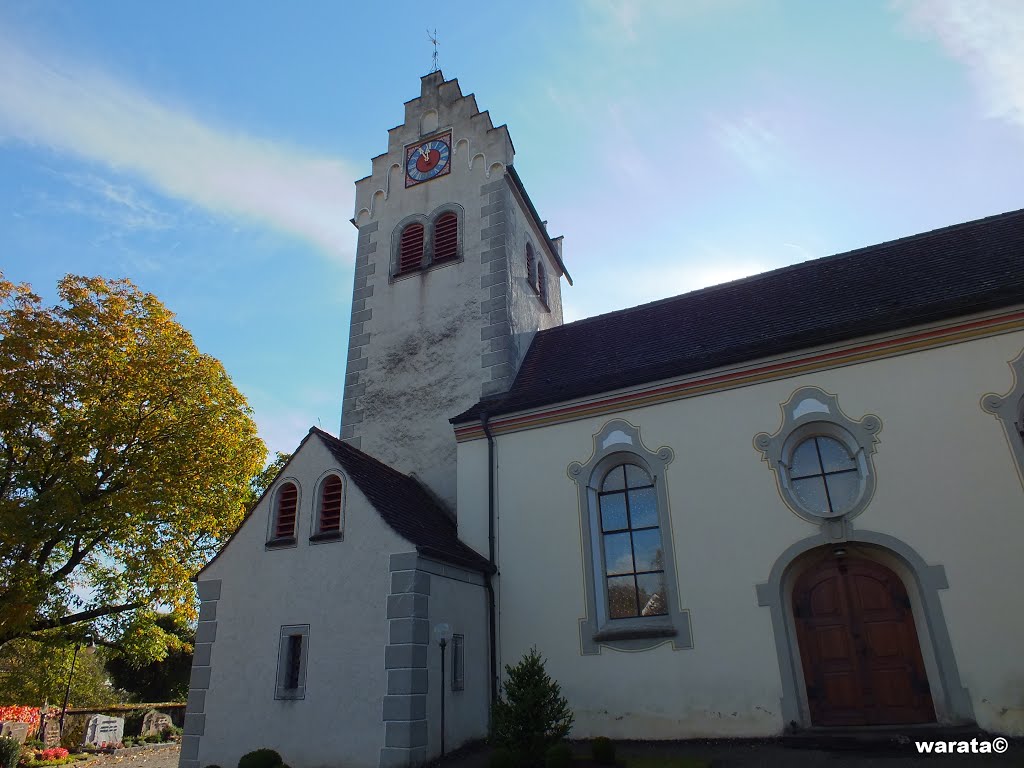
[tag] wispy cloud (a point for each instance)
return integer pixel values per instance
(120, 206)
(987, 36)
(751, 142)
(71, 107)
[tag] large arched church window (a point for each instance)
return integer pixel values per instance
(630, 575)
(634, 557)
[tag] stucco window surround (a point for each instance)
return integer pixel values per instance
(618, 443)
(292, 654)
(437, 246)
(1009, 410)
(286, 502)
(327, 523)
(822, 459)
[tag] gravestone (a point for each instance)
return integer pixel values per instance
(51, 732)
(155, 723)
(14, 730)
(101, 729)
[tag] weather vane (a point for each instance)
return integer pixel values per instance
(433, 38)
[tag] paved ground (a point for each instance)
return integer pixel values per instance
(772, 754)
(161, 757)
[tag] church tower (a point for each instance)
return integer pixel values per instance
(455, 273)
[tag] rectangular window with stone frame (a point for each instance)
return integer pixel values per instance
(458, 662)
(293, 651)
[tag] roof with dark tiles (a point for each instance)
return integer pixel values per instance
(958, 270)
(405, 506)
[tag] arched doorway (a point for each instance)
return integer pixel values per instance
(858, 644)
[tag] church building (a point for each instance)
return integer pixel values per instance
(787, 502)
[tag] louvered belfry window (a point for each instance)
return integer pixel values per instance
(287, 506)
(410, 249)
(446, 237)
(531, 266)
(330, 505)
(542, 286)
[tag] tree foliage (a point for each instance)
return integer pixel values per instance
(35, 671)
(532, 715)
(260, 482)
(164, 680)
(125, 457)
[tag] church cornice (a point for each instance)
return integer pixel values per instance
(771, 369)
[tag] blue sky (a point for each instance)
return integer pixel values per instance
(208, 151)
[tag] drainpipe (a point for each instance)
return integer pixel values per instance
(488, 583)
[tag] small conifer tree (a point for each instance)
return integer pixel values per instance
(532, 714)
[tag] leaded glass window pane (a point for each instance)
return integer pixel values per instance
(834, 456)
(647, 553)
(614, 480)
(618, 553)
(842, 490)
(805, 460)
(613, 512)
(811, 493)
(651, 594)
(621, 597)
(643, 507)
(637, 477)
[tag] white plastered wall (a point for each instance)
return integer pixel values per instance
(946, 487)
(340, 590)
(462, 605)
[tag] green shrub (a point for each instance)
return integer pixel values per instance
(503, 757)
(532, 715)
(261, 758)
(10, 752)
(558, 756)
(602, 749)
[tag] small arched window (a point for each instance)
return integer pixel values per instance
(446, 237)
(285, 511)
(542, 285)
(329, 520)
(410, 248)
(531, 267)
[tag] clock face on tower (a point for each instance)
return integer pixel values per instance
(428, 159)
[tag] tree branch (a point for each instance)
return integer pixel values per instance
(75, 618)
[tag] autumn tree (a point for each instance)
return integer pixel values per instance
(125, 457)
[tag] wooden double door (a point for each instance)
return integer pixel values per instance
(858, 644)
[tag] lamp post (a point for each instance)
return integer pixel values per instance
(90, 646)
(442, 633)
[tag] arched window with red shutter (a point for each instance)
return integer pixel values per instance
(330, 503)
(410, 248)
(446, 237)
(286, 509)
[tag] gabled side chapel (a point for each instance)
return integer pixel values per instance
(790, 501)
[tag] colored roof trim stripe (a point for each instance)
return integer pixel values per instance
(890, 347)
